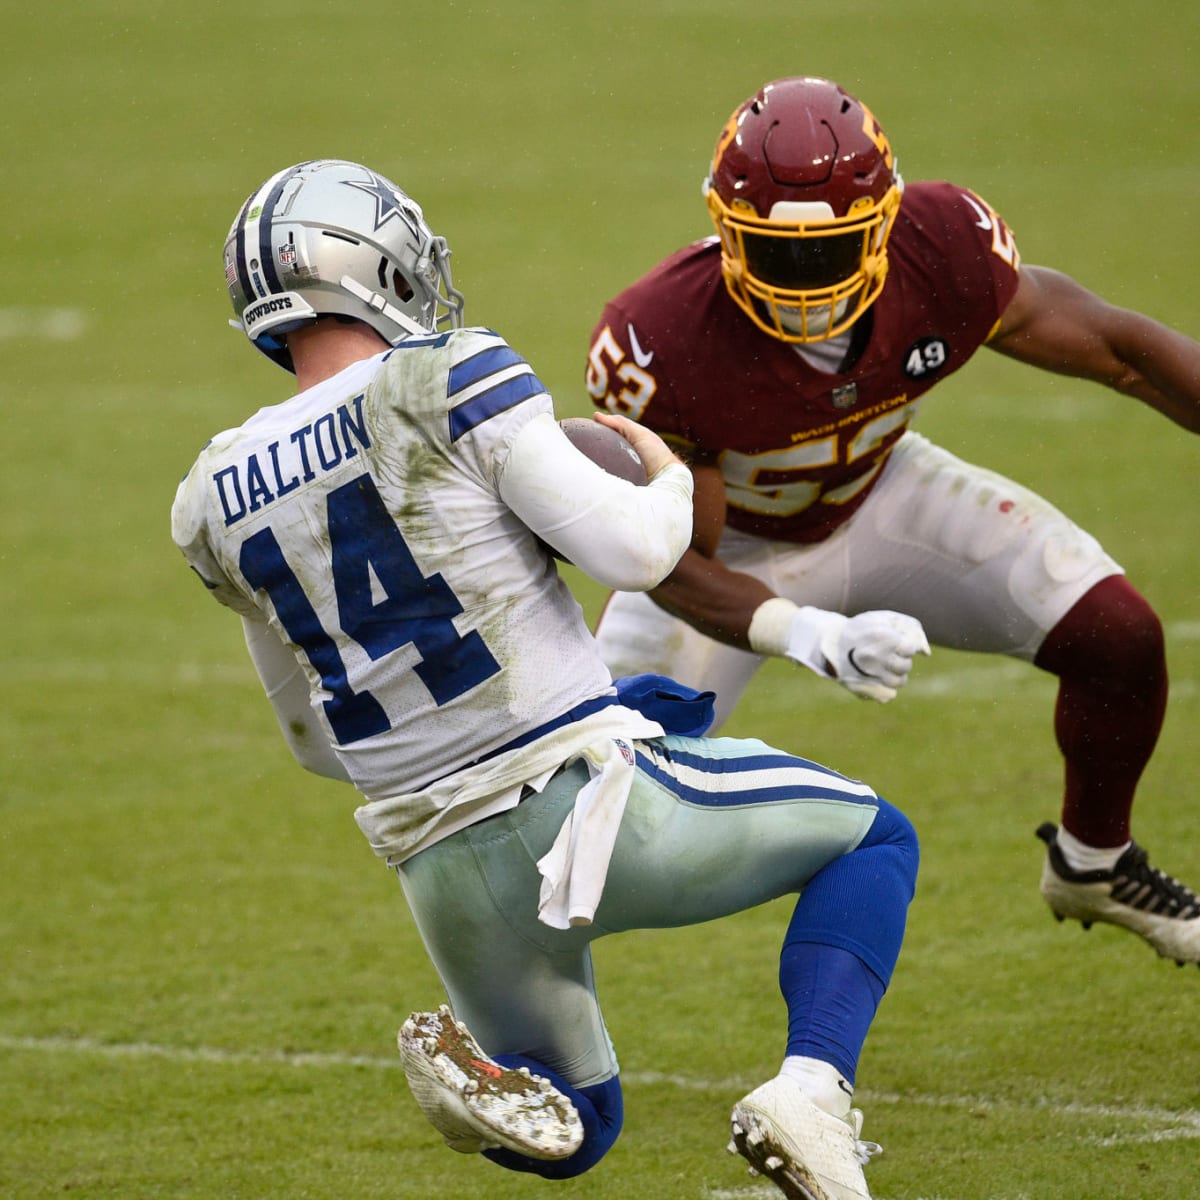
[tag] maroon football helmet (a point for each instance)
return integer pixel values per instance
(803, 190)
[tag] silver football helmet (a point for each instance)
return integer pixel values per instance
(329, 237)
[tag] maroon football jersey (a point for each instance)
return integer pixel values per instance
(799, 448)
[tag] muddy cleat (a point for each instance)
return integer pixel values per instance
(1133, 894)
(476, 1104)
(807, 1153)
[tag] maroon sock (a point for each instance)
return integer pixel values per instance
(1109, 657)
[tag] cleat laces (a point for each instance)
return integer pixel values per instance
(1132, 881)
(863, 1151)
(1140, 885)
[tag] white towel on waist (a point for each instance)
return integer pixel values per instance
(575, 868)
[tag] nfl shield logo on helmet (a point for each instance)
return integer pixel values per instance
(287, 254)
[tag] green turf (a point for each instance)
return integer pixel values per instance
(203, 964)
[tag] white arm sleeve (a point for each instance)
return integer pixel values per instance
(625, 537)
(287, 689)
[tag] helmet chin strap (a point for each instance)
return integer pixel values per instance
(380, 305)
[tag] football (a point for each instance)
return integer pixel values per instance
(605, 447)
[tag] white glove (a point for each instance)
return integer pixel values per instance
(870, 654)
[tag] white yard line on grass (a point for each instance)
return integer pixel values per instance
(767, 1191)
(753, 1192)
(947, 681)
(1172, 1125)
(48, 324)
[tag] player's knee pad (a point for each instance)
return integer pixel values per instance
(603, 1114)
(893, 830)
(859, 902)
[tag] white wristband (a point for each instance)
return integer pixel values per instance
(771, 626)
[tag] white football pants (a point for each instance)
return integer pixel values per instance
(983, 563)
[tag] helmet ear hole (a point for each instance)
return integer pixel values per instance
(400, 285)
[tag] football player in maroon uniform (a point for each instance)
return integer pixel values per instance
(786, 358)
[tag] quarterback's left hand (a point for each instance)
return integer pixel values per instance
(651, 449)
(871, 654)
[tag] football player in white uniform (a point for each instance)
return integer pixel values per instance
(381, 535)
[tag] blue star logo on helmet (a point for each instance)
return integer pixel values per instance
(389, 202)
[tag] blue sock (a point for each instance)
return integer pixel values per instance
(843, 941)
(601, 1108)
(831, 998)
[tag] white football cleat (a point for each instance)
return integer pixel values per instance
(474, 1102)
(807, 1153)
(1133, 894)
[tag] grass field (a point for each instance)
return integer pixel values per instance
(203, 964)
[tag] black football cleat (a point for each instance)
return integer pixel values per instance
(1133, 894)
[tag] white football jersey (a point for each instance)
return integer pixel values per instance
(363, 518)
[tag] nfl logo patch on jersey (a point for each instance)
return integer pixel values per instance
(845, 396)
